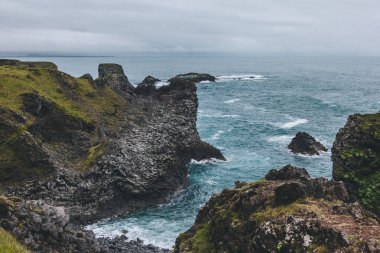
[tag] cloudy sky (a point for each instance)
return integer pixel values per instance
(325, 27)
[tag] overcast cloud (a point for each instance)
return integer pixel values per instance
(257, 26)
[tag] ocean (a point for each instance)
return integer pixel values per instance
(252, 120)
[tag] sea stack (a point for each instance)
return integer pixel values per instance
(304, 143)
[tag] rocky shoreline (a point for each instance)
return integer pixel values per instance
(91, 148)
(287, 211)
(76, 150)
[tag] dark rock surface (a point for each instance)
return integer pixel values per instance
(123, 160)
(113, 75)
(45, 228)
(194, 77)
(356, 158)
(286, 213)
(304, 143)
(150, 80)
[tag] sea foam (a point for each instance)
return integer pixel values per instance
(294, 123)
(245, 77)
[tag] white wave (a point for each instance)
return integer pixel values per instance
(239, 77)
(231, 101)
(280, 138)
(161, 83)
(217, 135)
(294, 123)
(207, 161)
(205, 81)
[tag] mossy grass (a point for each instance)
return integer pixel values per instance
(9, 244)
(76, 97)
(201, 242)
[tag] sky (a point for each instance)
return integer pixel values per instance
(107, 27)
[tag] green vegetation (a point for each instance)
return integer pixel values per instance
(201, 242)
(75, 99)
(75, 96)
(286, 210)
(9, 244)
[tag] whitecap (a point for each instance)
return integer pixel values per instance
(161, 83)
(294, 123)
(239, 77)
(280, 138)
(207, 161)
(217, 135)
(231, 101)
(219, 115)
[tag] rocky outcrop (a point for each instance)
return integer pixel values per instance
(194, 77)
(147, 86)
(286, 212)
(304, 143)
(98, 150)
(356, 158)
(113, 75)
(45, 228)
(150, 80)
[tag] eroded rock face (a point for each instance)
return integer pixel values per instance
(105, 151)
(45, 228)
(113, 75)
(356, 158)
(304, 143)
(285, 213)
(194, 77)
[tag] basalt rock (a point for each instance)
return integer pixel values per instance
(193, 77)
(288, 213)
(112, 75)
(97, 150)
(356, 158)
(150, 80)
(45, 228)
(304, 143)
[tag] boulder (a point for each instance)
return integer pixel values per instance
(193, 77)
(304, 143)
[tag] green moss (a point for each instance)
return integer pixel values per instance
(270, 212)
(356, 153)
(93, 155)
(201, 242)
(369, 190)
(9, 244)
(66, 92)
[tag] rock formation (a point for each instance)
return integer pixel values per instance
(194, 77)
(304, 143)
(286, 212)
(45, 228)
(147, 86)
(95, 148)
(356, 158)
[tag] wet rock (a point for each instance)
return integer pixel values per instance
(304, 143)
(194, 77)
(150, 80)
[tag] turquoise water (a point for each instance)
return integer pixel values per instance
(251, 121)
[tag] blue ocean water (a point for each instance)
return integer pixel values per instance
(251, 121)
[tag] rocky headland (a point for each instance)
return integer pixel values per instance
(81, 149)
(287, 211)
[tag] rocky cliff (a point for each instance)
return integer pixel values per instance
(356, 158)
(94, 146)
(285, 212)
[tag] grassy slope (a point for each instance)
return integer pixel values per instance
(9, 244)
(75, 97)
